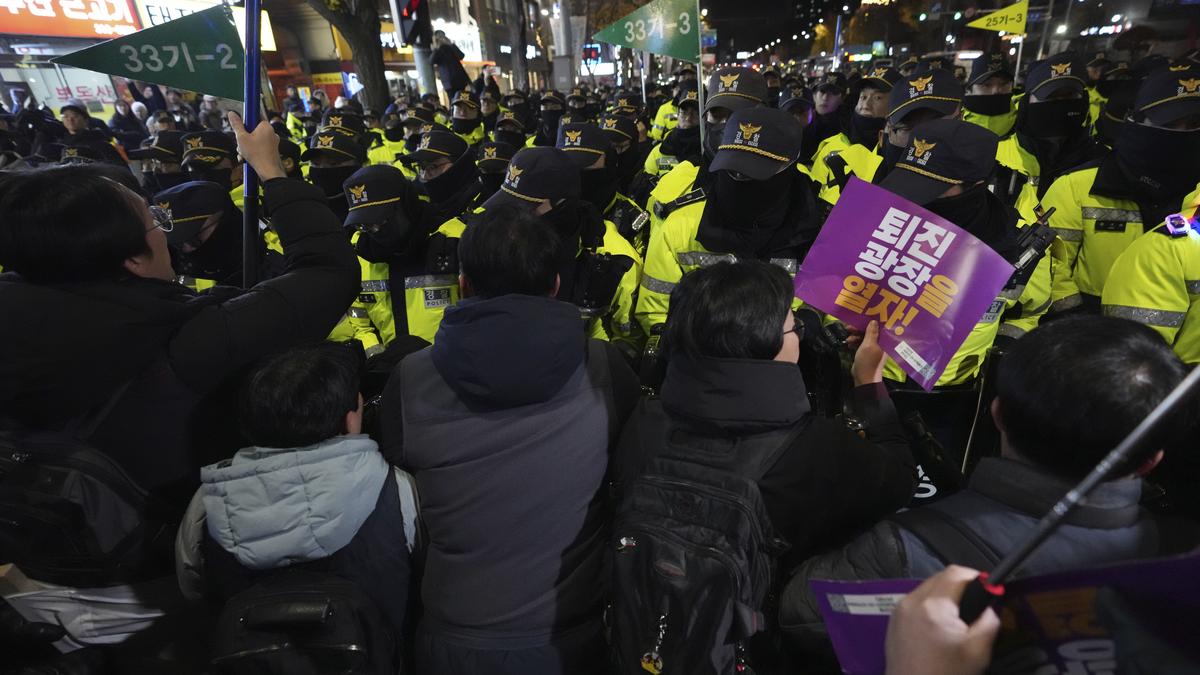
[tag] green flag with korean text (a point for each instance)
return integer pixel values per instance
(667, 27)
(200, 52)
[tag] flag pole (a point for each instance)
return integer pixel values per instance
(250, 109)
(700, 73)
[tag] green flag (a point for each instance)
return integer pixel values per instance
(668, 27)
(200, 52)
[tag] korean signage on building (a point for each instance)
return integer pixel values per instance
(69, 18)
(156, 12)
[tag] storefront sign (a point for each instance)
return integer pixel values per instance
(68, 18)
(155, 12)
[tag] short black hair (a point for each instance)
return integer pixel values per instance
(1074, 388)
(68, 224)
(300, 397)
(730, 310)
(509, 250)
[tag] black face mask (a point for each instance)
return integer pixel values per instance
(1059, 118)
(891, 155)
(565, 220)
(712, 138)
(682, 143)
(753, 203)
(1161, 162)
(455, 178)
(1107, 88)
(412, 142)
(990, 105)
(394, 134)
(772, 93)
(963, 209)
(489, 120)
(219, 176)
(330, 178)
(461, 126)
(550, 120)
(491, 183)
(513, 138)
(600, 186)
(865, 130)
(520, 111)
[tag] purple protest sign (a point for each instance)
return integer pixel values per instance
(1067, 622)
(927, 281)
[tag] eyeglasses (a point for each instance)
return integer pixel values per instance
(162, 219)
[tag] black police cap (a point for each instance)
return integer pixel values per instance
(464, 97)
(735, 89)
(336, 145)
(494, 156)
(90, 150)
(1170, 94)
(1059, 72)
(508, 117)
(988, 66)
(619, 128)
(759, 142)
(289, 150)
(190, 204)
(583, 143)
(941, 154)
(372, 193)
(687, 95)
(882, 78)
(934, 89)
(165, 146)
(535, 174)
(208, 148)
(439, 144)
(345, 121)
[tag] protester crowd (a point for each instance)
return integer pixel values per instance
(520, 384)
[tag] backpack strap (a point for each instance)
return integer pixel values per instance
(662, 210)
(948, 538)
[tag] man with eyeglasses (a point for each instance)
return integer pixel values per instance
(761, 208)
(204, 232)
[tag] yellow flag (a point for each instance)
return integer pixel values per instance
(1011, 19)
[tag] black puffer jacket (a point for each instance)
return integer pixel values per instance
(65, 349)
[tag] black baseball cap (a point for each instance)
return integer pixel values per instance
(334, 143)
(436, 144)
(929, 63)
(1099, 61)
(464, 97)
(577, 94)
(941, 154)
(619, 128)
(165, 146)
(494, 156)
(289, 150)
(422, 115)
(554, 97)
(882, 79)
(513, 98)
(795, 100)
(934, 89)
(372, 193)
(735, 89)
(687, 95)
(190, 205)
(1056, 73)
(758, 142)
(829, 81)
(90, 150)
(625, 103)
(344, 121)
(987, 66)
(509, 117)
(583, 143)
(208, 148)
(535, 174)
(1169, 94)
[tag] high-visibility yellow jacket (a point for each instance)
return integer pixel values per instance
(1156, 282)
(631, 221)
(1010, 153)
(295, 127)
(674, 251)
(385, 151)
(1096, 104)
(836, 160)
(997, 124)
(664, 120)
(1095, 231)
(615, 322)
(475, 136)
(658, 164)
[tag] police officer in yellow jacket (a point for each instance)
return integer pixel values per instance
(1156, 281)
(401, 259)
(601, 270)
(945, 169)
(857, 151)
(988, 101)
(492, 160)
(1103, 207)
(206, 237)
(465, 118)
(600, 178)
(1050, 136)
(729, 90)
(681, 144)
(212, 156)
(447, 174)
(389, 143)
(622, 132)
(760, 207)
(668, 113)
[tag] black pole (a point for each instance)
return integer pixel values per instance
(989, 587)
(252, 97)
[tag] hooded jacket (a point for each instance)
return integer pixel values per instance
(506, 423)
(828, 481)
(66, 348)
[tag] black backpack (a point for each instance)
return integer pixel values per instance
(70, 515)
(695, 553)
(303, 623)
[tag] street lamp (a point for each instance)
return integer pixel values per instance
(949, 39)
(704, 12)
(1062, 28)
(922, 16)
